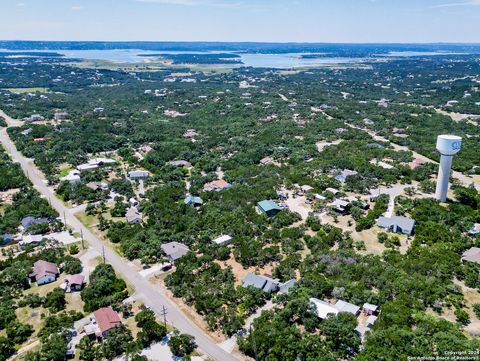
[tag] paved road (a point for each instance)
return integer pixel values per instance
(153, 297)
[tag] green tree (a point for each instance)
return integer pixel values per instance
(72, 265)
(116, 342)
(182, 344)
(19, 332)
(88, 349)
(55, 300)
(6, 348)
(54, 348)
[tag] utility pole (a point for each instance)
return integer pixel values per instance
(164, 314)
(103, 253)
(64, 218)
(81, 235)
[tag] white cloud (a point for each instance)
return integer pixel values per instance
(21, 4)
(455, 4)
(77, 8)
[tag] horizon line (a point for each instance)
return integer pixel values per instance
(244, 42)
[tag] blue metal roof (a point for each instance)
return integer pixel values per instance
(268, 205)
(193, 200)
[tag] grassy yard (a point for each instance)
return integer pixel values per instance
(28, 90)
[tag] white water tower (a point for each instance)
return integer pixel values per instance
(448, 146)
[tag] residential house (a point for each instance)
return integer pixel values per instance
(29, 220)
(475, 230)
(106, 319)
(72, 177)
(369, 309)
(31, 239)
(343, 306)
(216, 185)
(261, 282)
(324, 309)
(190, 133)
(74, 283)
(334, 191)
(472, 255)
(174, 250)
(94, 164)
(397, 224)
(222, 239)
(133, 216)
(285, 287)
(33, 118)
(138, 175)
(268, 207)
(180, 163)
(340, 205)
(59, 116)
(193, 201)
(266, 161)
(342, 177)
(94, 186)
(44, 272)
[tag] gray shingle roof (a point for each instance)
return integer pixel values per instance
(393, 223)
(175, 250)
(261, 282)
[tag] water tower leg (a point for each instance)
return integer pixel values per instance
(443, 177)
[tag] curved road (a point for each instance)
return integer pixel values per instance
(152, 296)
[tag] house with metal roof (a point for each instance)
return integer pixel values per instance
(260, 282)
(105, 319)
(324, 309)
(268, 207)
(138, 175)
(222, 239)
(193, 201)
(285, 287)
(397, 224)
(343, 306)
(369, 309)
(44, 272)
(340, 205)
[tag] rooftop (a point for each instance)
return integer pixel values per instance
(472, 255)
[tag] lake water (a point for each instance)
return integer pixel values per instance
(280, 61)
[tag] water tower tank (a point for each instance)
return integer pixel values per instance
(449, 144)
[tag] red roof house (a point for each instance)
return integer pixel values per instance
(44, 272)
(106, 319)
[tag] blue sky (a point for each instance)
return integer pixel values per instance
(243, 20)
